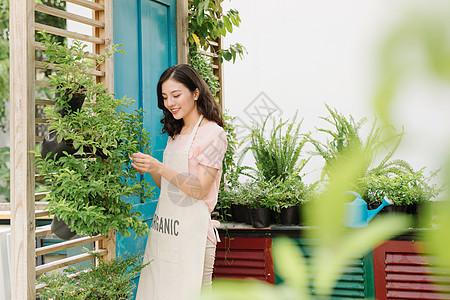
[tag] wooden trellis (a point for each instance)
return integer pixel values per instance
(23, 129)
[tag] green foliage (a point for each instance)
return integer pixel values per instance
(277, 155)
(403, 189)
(258, 194)
(106, 280)
(345, 137)
(4, 173)
(202, 64)
(4, 60)
(337, 246)
(291, 191)
(88, 191)
(207, 22)
(75, 76)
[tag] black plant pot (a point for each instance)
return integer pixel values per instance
(415, 210)
(240, 212)
(75, 103)
(51, 145)
(61, 229)
(260, 217)
(290, 215)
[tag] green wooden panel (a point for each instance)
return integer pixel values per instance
(357, 281)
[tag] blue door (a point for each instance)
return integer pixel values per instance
(147, 30)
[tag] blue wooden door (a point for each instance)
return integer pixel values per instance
(147, 30)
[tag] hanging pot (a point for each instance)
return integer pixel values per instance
(75, 103)
(260, 217)
(61, 229)
(290, 215)
(51, 145)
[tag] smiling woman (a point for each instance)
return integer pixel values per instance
(189, 178)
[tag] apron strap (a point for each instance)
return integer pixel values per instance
(191, 137)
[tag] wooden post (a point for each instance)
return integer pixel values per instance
(182, 32)
(106, 33)
(22, 142)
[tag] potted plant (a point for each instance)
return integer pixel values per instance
(290, 194)
(86, 191)
(344, 138)
(278, 154)
(256, 195)
(105, 280)
(408, 191)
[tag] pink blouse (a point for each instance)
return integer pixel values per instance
(208, 148)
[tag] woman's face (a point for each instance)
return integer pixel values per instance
(178, 99)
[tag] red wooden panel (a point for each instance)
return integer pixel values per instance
(416, 295)
(406, 259)
(417, 278)
(241, 271)
(243, 277)
(403, 271)
(413, 269)
(240, 254)
(241, 258)
(411, 286)
(240, 263)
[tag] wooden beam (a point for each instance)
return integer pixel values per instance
(182, 32)
(87, 4)
(68, 244)
(66, 33)
(43, 230)
(67, 262)
(67, 15)
(22, 142)
(47, 66)
(107, 67)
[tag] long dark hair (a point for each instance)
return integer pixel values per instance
(206, 103)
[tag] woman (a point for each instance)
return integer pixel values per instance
(182, 240)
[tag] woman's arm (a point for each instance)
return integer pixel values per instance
(195, 187)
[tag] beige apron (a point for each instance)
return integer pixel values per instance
(177, 238)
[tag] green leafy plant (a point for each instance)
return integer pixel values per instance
(208, 22)
(337, 246)
(87, 192)
(202, 64)
(4, 173)
(4, 61)
(111, 279)
(291, 191)
(277, 155)
(345, 137)
(258, 194)
(403, 189)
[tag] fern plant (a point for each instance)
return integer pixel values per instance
(345, 137)
(277, 155)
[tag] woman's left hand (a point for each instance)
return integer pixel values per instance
(145, 163)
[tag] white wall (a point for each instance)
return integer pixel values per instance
(303, 54)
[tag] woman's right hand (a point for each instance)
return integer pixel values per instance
(145, 163)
